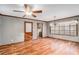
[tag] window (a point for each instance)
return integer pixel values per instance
(64, 29)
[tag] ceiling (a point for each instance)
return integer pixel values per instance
(49, 10)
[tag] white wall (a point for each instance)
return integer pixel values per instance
(0, 30)
(44, 29)
(71, 38)
(35, 30)
(13, 29)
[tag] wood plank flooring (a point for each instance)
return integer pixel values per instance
(41, 46)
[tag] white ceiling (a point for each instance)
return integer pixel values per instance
(49, 10)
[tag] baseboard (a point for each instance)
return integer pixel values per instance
(11, 43)
(63, 39)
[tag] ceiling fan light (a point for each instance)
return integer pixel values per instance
(28, 13)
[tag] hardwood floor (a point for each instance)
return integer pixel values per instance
(42, 46)
(28, 36)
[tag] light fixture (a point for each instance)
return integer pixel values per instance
(54, 20)
(50, 24)
(76, 21)
(29, 13)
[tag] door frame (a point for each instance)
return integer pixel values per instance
(25, 29)
(42, 28)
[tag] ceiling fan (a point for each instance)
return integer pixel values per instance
(29, 11)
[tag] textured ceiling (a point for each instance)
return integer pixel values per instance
(49, 10)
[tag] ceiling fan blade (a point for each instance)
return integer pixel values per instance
(24, 16)
(34, 15)
(37, 11)
(25, 5)
(18, 11)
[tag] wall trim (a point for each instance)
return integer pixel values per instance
(39, 20)
(64, 18)
(21, 17)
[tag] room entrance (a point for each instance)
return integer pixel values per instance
(28, 30)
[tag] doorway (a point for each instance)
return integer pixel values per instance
(40, 30)
(28, 30)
